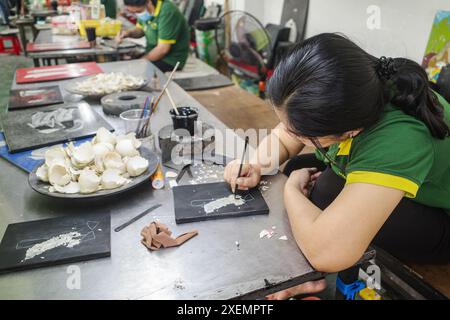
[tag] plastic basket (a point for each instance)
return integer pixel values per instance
(102, 28)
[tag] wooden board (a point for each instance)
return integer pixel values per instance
(92, 232)
(30, 129)
(55, 46)
(59, 72)
(189, 202)
(226, 103)
(34, 97)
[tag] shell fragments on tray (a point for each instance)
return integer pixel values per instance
(107, 162)
(106, 83)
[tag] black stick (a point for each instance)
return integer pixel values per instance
(242, 162)
(139, 216)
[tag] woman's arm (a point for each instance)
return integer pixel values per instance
(135, 33)
(273, 150)
(159, 52)
(335, 239)
(276, 148)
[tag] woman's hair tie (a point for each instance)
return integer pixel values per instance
(386, 67)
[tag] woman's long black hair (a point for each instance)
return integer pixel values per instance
(327, 85)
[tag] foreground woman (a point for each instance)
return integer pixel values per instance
(382, 171)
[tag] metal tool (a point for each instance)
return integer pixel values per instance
(139, 216)
(186, 168)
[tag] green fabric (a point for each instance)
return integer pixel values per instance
(402, 146)
(110, 8)
(168, 24)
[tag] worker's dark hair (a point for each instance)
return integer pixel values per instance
(138, 3)
(327, 85)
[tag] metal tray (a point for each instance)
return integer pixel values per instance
(71, 88)
(43, 187)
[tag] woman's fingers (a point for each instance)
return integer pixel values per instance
(248, 177)
(316, 175)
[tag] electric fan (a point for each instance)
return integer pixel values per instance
(243, 43)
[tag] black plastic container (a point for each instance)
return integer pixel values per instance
(91, 35)
(186, 118)
(54, 5)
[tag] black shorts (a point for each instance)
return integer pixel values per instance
(412, 233)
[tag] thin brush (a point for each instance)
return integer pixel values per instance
(242, 162)
(142, 116)
(146, 126)
(166, 85)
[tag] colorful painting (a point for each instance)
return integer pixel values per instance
(437, 53)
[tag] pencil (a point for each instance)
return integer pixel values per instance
(240, 167)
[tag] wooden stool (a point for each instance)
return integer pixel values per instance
(9, 42)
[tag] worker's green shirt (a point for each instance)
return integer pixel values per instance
(168, 26)
(398, 152)
(110, 8)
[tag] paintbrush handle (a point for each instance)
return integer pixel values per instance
(172, 102)
(166, 84)
(242, 163)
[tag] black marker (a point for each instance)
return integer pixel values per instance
(240, 167)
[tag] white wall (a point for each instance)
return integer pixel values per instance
(405, 24)
(404, 30)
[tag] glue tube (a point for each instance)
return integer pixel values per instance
(158, 178)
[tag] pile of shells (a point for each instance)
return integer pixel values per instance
(109, 161)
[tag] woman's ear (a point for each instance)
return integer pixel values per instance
(351, 134)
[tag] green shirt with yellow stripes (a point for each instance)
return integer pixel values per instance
(398, 152)
(168, 25)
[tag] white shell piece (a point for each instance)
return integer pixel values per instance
(113, 160)
(103, 135)
(111, 179)
(55, 154)
(98, 164)
(136, 166)
(42, 173)
(126, 148)
(130, 136)
(88, 181)
(71, 188)
(59, 174)
(102, 148)
(83, 155)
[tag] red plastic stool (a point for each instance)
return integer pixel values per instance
(9, 44)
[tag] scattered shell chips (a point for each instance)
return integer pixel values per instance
(106, 83)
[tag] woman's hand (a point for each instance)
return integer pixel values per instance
(303, 180)
(250, 175)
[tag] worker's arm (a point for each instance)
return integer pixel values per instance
(159, 52)
(135, 33)
(274, 150)
(335, 239)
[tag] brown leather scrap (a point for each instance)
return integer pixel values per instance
(158, 235)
